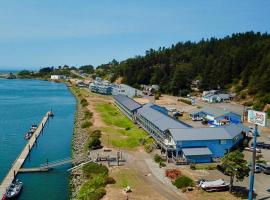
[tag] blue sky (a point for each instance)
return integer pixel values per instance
(35, 33)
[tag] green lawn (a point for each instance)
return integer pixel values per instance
(122, 132)
(125, 178)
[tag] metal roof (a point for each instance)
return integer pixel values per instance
(199, 151)
(215, 112)
(209, 133)
(159, 119)
(129, 103)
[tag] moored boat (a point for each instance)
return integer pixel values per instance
(13, 190)
(28, 135)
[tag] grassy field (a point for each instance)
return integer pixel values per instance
(125, 177)
(122, 132)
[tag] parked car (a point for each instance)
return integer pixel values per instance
(265, 168)
(251, 149)
(257, 169)
(262, 145)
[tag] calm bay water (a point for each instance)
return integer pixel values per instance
(23, 102)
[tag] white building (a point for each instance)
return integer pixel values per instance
(57, 77)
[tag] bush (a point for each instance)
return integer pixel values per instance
(128, 128)
(185, 101)
(96, 133)
(162, 164)
(148, 148)
(183, 182)
(94, 143)
(86, 124)
(172, 173)
(158, 158)
(88, 114)
(184, 190)
(92, 169)
(92, 189)
(192, 166)
(84, 103)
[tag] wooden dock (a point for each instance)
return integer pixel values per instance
(15, 168)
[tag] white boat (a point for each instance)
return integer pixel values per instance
(216, 185)
(14, 189)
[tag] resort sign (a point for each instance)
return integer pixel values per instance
(256, 117)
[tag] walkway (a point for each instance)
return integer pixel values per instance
(22, 157)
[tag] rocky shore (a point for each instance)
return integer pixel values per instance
(79, 151)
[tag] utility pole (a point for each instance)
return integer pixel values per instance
(251, 175)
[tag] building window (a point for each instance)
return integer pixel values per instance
(222, 141)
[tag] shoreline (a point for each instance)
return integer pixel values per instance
(79, 140)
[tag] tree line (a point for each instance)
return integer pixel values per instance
(240, 62)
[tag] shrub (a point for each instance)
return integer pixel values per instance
(158, 158)
(87, 114)
(94, 143)
(183, 182)
(172, 173)
(92, 169)
(149, 148)
(185, 101)
(96, 133)
(184, 190)
(162, 164)
(84, 103)
(86, 124)
(93, 189)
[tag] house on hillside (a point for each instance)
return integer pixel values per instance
(216, 116)
(57, 77)
(216, 96)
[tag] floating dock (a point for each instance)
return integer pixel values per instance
(15, 168)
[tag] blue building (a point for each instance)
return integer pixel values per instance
(179, 140)
(216, 116)
(127, 105)
(204, 144)
(156, 121)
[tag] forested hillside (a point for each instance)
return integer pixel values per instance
(240, 62)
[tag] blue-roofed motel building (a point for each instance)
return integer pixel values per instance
(216, 116)
(178, 139)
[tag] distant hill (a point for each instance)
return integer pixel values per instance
(240, 62)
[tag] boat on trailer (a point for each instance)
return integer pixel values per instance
(216, 185)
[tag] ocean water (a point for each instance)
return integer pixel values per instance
(23, 102)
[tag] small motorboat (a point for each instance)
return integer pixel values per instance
(34, 126)
(14, 189)
(216, 185)
(28, 135)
